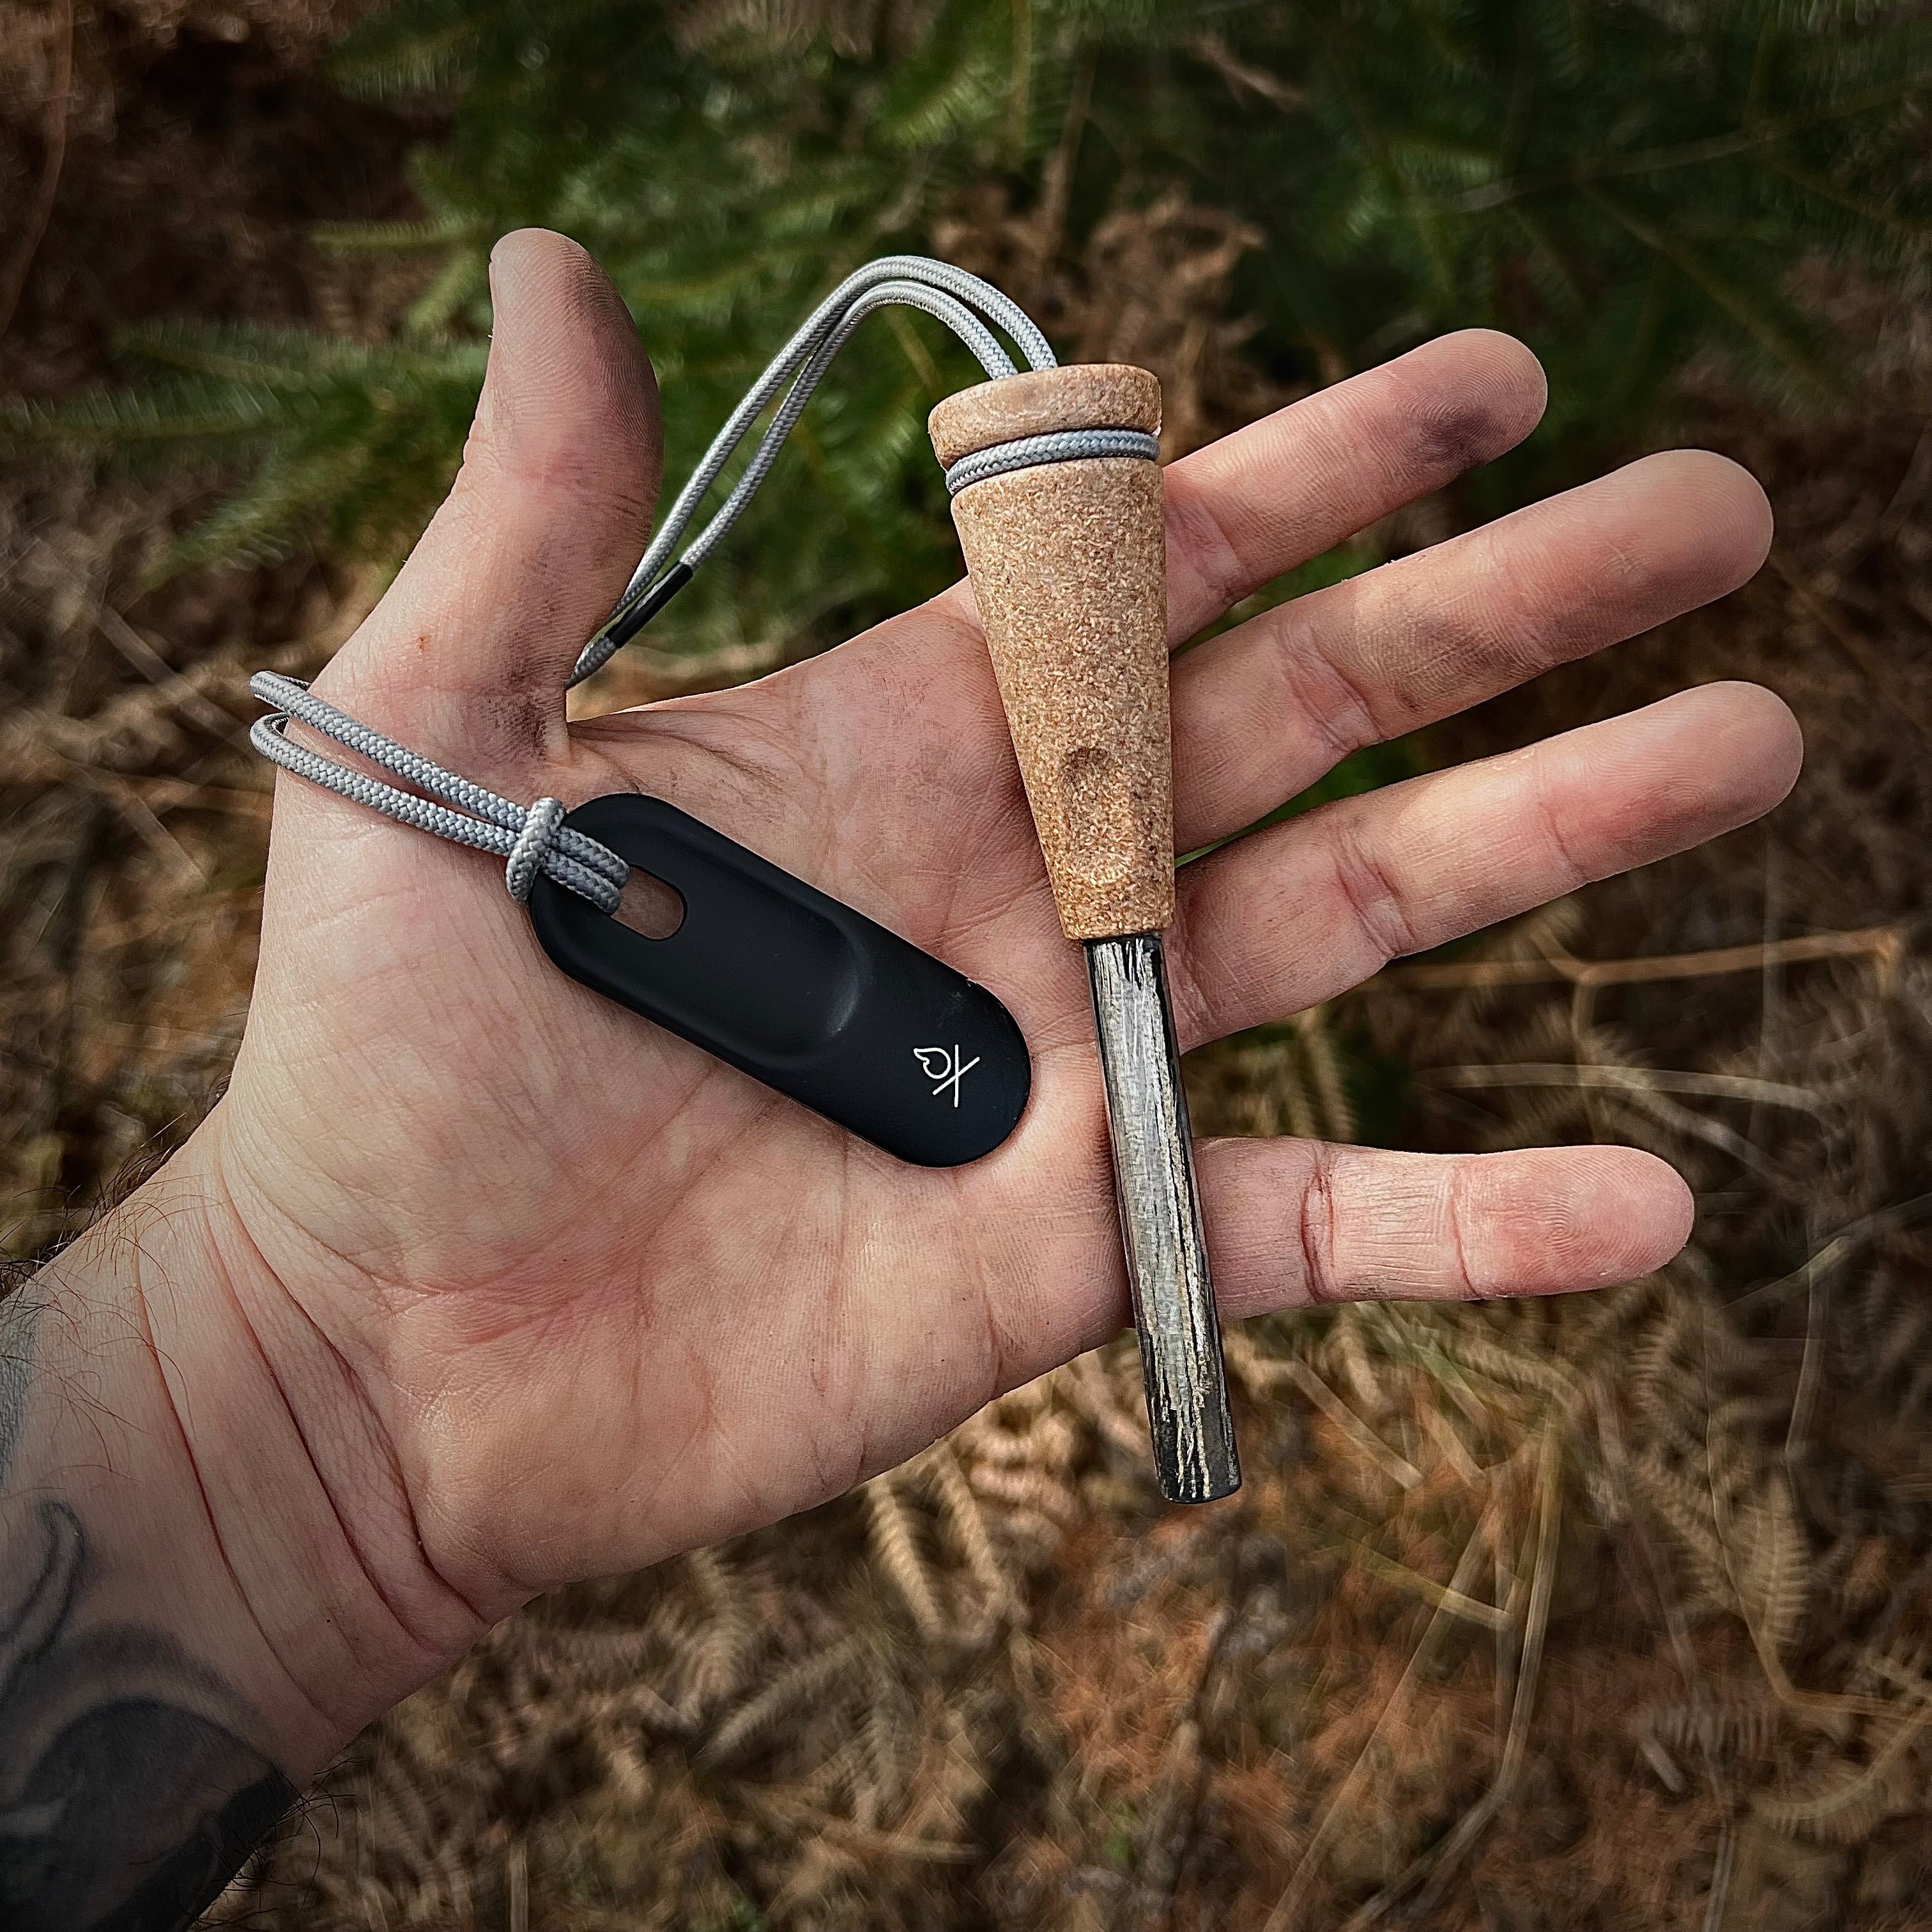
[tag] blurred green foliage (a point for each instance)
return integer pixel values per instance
(1628, 184)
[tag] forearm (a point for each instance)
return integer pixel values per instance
(187, 1631)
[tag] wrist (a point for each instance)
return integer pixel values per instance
(233, 1477)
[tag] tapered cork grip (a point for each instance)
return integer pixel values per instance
(1068, 565)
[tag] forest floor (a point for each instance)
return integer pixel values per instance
(1611, 1613)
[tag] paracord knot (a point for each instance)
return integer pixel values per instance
(532, 846)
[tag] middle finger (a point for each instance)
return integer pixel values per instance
(1263, 711)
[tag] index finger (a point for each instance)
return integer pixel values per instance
(1244, 509)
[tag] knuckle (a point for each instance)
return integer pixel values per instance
(1201, 533)
(1372, 900)
(1316, 1230)
(1195, 1012)
(1314, 682)
(1460, 1217)
(1570, 867)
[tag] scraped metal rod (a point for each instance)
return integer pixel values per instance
(1194, 1453)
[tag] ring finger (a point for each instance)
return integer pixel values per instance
(1300, 912)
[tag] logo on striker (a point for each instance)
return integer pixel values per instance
(943, 1064)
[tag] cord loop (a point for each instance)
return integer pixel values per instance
(471, 814)
(534, 839)
(1063, 446)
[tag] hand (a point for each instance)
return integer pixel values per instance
(548, 1292)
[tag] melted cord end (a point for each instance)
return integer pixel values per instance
(629, 621)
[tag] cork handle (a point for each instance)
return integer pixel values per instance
(1069, 566)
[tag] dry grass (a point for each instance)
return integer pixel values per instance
(1615, 1612)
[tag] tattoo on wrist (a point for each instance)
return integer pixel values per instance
(129, 1794)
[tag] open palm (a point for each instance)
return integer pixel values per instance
(561, 1294)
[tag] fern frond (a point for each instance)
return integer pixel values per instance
(806, 1681)
(967, 1519)
(896, 1547)
(1727, 1729)
(419, 50)
(1770, 1567)
(396, 238)
(1847, 1809)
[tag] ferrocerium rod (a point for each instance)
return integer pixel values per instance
(1160, 1221)
(1068, 564)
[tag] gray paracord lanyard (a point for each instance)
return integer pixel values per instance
(532, 839)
